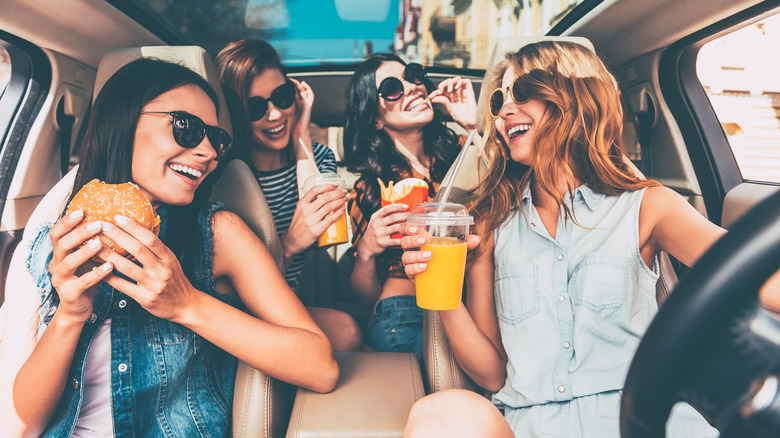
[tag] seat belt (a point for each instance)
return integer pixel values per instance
(65, 123)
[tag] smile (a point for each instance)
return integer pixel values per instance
(518, 130)
(189, 172)
(277, 130)
(417, 103)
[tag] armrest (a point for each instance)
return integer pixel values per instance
(372, 399)
(261, 404)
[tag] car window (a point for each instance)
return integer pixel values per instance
(740, 73)
(5, 69)
(448, 33)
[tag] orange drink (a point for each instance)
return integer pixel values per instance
(441, 285)
(337, 231)
(409, 191)
(447, 224)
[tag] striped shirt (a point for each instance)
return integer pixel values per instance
(280, 188)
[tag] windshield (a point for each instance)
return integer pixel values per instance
(453, 33)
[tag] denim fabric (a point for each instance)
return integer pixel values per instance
(571, 310)
(166, 381)
(396, 325)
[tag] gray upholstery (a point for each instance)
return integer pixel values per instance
(261, 404)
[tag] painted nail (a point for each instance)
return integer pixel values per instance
(107, 226)
(105, 267)
(76, 214)
(93, 226)
(412, 230)
(120, 220)
(421, 240)
(94, 243)
(422, 265)
(427, 254)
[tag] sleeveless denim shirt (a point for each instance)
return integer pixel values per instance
(166, 380)
(571, 311)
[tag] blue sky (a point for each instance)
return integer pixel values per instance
(317, 32)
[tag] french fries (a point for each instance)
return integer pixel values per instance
(390, 195)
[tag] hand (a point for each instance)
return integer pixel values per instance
(304, 101)
(73, 275)
(317, 210)
(414, 260)
(457, 95)
(160, 284)
(384, 222)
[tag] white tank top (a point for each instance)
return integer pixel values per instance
(95, 415)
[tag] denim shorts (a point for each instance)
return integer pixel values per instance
(396, 325)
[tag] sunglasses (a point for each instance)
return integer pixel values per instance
(392, 88)
(521, 90)
(189, 130)
(282, 97)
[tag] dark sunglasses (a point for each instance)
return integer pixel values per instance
(392, 88)
(282, 97)
(521, 90)
(189, 130)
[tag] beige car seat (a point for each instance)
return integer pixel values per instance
(440, 369)
(261, 404)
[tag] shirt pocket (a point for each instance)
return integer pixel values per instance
(516, 292)
(600, 281)
(163, 332)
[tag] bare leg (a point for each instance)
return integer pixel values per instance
(340, 328)
(456, 413)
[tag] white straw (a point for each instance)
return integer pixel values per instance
(444, 194)
(308, 155)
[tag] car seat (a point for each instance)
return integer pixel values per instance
(440, 370)
(261, 404)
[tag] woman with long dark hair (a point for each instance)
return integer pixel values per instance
(392, 132)
(98, 345)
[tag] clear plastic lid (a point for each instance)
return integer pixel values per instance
(324, 178)
(440, 213)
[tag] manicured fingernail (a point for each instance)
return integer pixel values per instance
(421, 240)
(107, 226)
(76, 214)
(94, 243)
(105, 267)
(427, 254)
(422, 265)
(120, 220)
(412, 230)
(93, 226)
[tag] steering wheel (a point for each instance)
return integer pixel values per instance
(711, 344)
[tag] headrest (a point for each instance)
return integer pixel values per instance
(193, 57)
(513, 44)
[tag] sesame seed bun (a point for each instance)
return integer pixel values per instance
(101, 202)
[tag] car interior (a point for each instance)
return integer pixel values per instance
(57, 57)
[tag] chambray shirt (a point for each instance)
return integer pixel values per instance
(166, 380)
(571, 311)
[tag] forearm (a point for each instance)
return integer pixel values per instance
(476, 354)
(291, 354)
(288, 253)
(364, 279)
(40, 382)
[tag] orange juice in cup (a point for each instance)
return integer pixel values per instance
(337, 232)
(441, 285)
(409, 191)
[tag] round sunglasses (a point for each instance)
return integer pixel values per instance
(189, 130)
(392, 88)
(521, 90)
(282, 97)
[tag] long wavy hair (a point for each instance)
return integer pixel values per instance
(238, 63)
(579, 142)
(371, 153)
(107, 150)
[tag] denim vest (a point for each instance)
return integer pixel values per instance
(166, 380)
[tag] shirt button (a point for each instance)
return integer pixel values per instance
(566, 345)
(561, 388)
(560, 256)
(561, 298)
(92, 318)
(122, 304)
(122, 367)
(75, 384)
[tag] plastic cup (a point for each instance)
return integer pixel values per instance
(409, 191)
(440, 287)
(337, 232)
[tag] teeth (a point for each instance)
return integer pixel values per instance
(415, 103)
(275, 130)
(518, 129)
(188, 170)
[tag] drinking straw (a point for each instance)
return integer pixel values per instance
(308, 155)
(444, 192)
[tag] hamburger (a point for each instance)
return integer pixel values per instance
(101, 202)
